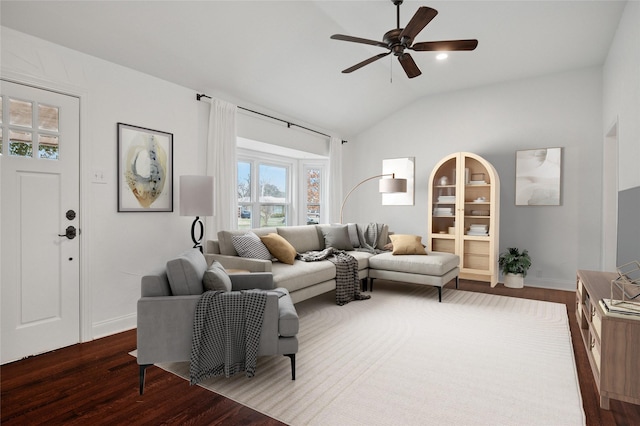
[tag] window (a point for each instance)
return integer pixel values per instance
(313, 194)
(264, 193)
(20, 129)
(276, 190)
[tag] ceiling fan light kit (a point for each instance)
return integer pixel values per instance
(400, 39)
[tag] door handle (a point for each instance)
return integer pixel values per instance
(70, 233)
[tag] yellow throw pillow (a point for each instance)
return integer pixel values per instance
(407, 244)
(280, 248)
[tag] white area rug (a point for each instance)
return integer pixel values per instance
(402, 358)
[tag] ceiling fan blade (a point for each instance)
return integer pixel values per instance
(358, 40)
(409, 65)
(420, 19)
(365, 62)
(448, 45)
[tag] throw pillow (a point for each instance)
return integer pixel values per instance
(407, 244)
(250, 245)
(352, 228)
(336, 236)
(279, 248)
(216, 278)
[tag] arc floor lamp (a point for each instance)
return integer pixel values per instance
(385, 186)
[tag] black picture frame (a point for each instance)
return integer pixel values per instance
(145, 169)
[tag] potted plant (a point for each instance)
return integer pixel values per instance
(514, 266)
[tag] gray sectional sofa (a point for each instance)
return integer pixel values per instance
(304, 280)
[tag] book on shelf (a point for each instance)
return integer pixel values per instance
(624, 309)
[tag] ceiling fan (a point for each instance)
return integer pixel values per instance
(400, 39)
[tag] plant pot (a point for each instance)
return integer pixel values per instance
(513, 280)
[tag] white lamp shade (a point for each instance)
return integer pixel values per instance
(196, 195)
(392, 185)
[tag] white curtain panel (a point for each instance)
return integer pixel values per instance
(221, 164)
(335, 179)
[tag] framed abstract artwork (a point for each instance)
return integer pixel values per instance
(145, 169)
(538, 173)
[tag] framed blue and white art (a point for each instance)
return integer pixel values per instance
(145, 169)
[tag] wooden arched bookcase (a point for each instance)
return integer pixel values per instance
(464, 200)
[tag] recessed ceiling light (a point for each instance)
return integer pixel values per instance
(442, 56)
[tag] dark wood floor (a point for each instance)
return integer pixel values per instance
(97, 383)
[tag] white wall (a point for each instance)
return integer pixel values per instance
(117, 248)
(562, 110)
(621, 94)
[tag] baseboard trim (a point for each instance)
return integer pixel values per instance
(552, 284)
(114, 325)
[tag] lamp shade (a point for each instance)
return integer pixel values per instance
(392, 185)
(196, 195)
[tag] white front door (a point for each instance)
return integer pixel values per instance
(40, 187)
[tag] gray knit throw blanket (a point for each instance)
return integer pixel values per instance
(347, 281)
(226, 333)
(368, 237)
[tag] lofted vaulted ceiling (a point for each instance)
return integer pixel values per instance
(277, 55)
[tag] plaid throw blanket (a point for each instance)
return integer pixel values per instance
(226, 333)
(347, 281)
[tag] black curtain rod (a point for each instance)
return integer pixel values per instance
(199, 96)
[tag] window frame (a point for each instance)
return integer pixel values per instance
(296, 202)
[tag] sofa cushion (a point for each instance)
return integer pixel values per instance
(216, 278)
(279, 248)
(226, 243)
(362, 257)
(250, 245)
(407, 244)
(437, 263)
(185, 273)
(336, 236)
(303, 274)
(303, 237)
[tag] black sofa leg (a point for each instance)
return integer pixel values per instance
(439, 294)
(371, 284)
(457, 281)
(293, 365)
(142, 372)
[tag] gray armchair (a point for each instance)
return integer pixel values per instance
(167, 307)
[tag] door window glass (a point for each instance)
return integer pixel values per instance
(47, 117)
(20, 143)
(48, 147)
(29, 131)
(20, 113)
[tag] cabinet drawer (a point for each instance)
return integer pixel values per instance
(444, 245)
(595, 351)
(596, 321)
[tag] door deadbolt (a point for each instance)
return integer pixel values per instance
(70, 233)
(70, 214)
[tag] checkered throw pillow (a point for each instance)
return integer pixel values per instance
(250, 245)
